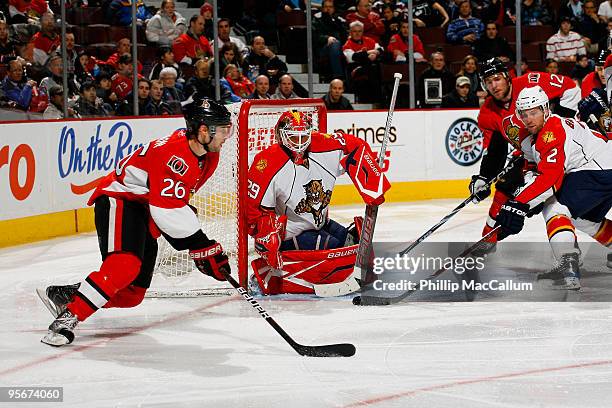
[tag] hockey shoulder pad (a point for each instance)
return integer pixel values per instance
(366, 175)
(303, 269)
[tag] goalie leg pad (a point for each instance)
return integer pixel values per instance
(302, 269)
(329, 237)
(117, 271)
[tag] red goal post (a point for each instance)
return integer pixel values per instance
(221, 202)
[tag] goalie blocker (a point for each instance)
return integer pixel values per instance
(295, 178)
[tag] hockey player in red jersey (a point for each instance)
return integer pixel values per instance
(499, 129)
(290, 188)
(147, 194)
(571, 175)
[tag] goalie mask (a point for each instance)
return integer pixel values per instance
(293, 131)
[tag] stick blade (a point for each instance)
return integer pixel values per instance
(372, 301)
(331, 350)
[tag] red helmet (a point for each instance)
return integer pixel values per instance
(293, 130)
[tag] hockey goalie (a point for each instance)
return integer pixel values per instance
(290, 186)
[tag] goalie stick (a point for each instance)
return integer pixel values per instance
(353, 282)
(330, 350)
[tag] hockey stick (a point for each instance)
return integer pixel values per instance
(352, 283)
(330, 350)
(443, 221)
(382, 301)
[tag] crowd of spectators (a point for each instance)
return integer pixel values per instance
(353, 42)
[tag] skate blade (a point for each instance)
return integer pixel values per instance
(568, 284)
(55, 339)
(42, 294)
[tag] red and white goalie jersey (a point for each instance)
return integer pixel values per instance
(559, 89)
(303, 191)
(162, 174)
(563, 146)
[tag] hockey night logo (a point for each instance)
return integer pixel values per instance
(464, 142)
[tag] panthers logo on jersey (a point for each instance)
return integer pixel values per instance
(315, 202)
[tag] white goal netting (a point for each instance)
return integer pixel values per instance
(221, 202)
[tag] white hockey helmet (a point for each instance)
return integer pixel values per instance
(530, 98)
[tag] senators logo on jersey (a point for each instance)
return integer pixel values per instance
(315, 202)
(512, 130)
(178, 165)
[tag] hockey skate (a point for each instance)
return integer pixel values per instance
(55, 298)
(61, 330)
(566, 274)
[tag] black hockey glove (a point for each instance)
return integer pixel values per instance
(479, 188)
(211, 260)
(593, 107)
(511, 218)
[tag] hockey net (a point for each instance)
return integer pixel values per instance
(221, 202)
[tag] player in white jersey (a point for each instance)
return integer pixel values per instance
(290, 188)
(570, 174)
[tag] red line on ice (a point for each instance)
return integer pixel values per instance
(75, 349)
(383, 398)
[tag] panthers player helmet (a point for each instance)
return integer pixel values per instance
(293, 130)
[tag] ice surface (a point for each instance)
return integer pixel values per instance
(219, 353)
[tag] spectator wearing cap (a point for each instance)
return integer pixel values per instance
(373, 26)
(165, 59)
(46, 40)
(55, 109)
(88, 104)
(165, 26)
(200, 82)
(460, 96)
(491, 45)
(565, 45)
(262, 86)
(334, 100)
(124, 47)
(584, 66)
(206, 11)
(465, 29)
(121, 82)
(224, 37)
(398, 45)
(192, 45)
(17, 88)
(595, 79)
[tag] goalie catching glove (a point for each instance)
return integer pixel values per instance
(211, 260)
(270, 234)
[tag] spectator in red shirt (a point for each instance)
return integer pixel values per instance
(193, 45)
(373, 26)
(595, 79)
(121, 82)
(124, 47)
(363, 54)
(241, 85)
(26, 11)
(398, 45)
(46, 40)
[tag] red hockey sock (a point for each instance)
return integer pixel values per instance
(127, 297)
(604, 233)
(498, 200)
(117, 271)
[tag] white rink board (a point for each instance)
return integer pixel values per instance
(48, 167)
